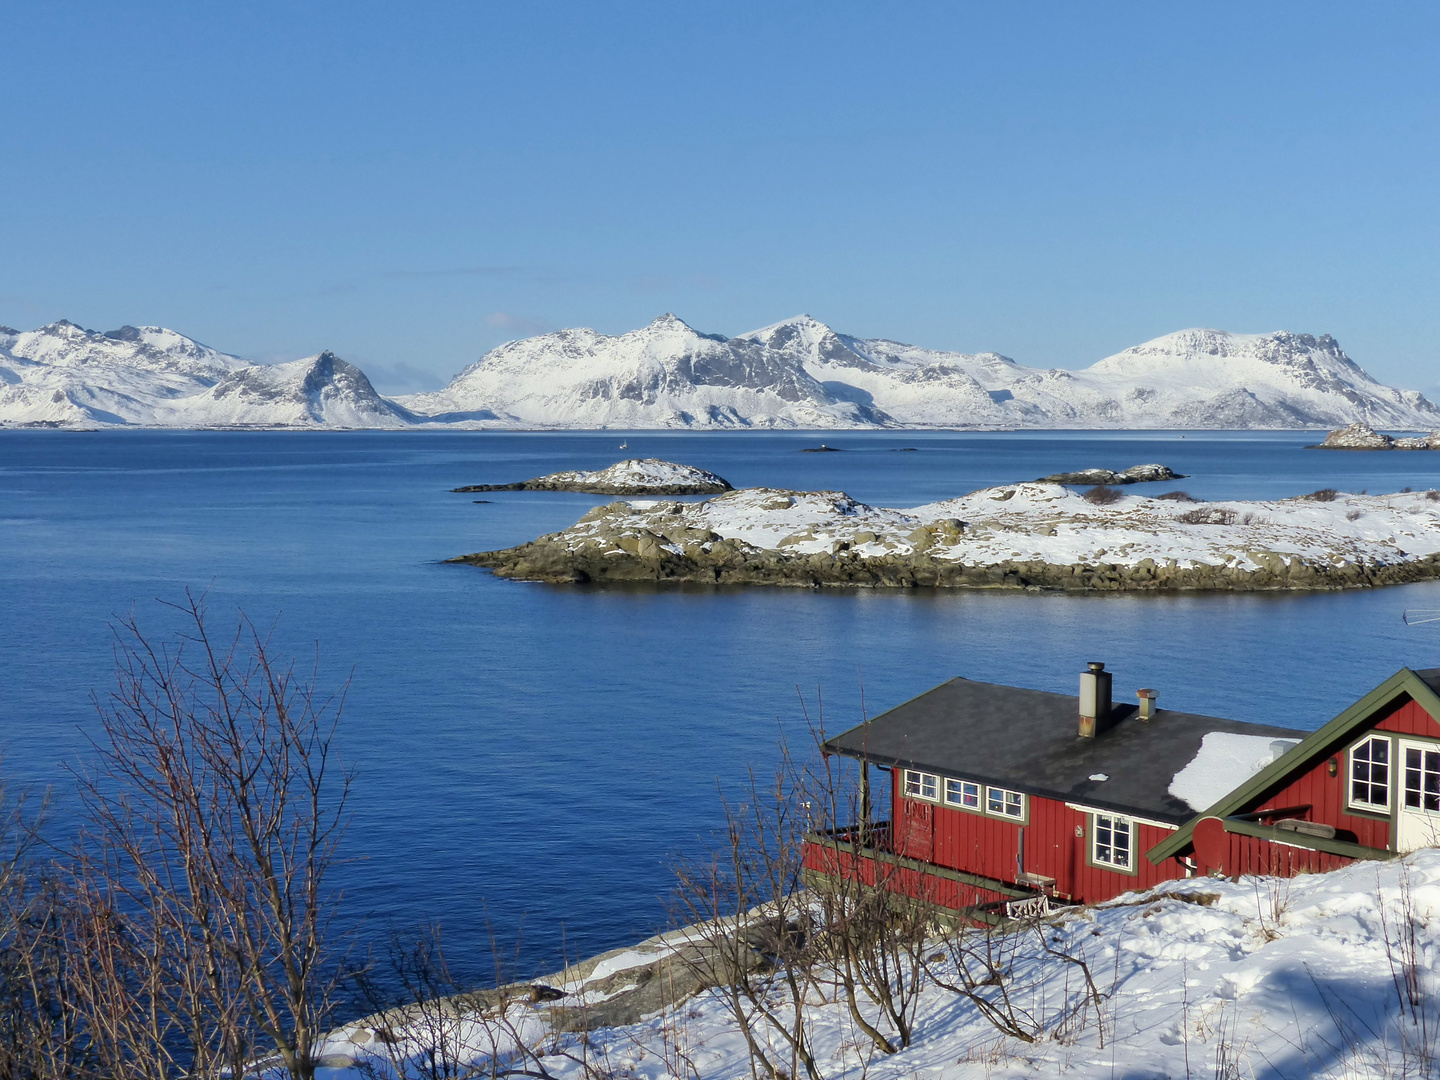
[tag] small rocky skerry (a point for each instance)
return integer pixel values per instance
(1036, 536)
(1364, 437)
(638, 476)
(1136, 474)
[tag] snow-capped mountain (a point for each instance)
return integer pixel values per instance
(662, 375)
(319, 391)
(65, 376)
(801, 373)
(794, 374)
(61, 374)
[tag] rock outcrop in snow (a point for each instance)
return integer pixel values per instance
(639, 476)
(1017, 536)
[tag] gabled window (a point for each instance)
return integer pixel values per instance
(922, 785)
(962, 793)
(1370, 774)
(1112, 842)
(1004, 803)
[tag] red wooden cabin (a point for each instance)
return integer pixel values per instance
(1002, 795)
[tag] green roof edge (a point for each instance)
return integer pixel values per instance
(1315, 745)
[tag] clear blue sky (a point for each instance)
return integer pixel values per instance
(410, 184)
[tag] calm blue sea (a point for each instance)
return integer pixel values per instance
(537, 754)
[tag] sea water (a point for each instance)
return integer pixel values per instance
(533, 758)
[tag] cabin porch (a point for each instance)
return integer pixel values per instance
(865, 854)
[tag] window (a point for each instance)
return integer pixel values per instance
(922, 785)
(1370, 773)
(962, 793)
(1422, 779)
(1004, 803)
(1113, 839)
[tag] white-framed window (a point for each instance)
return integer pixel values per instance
(962, 793)
(922, 785)
(1004, 803)
(1422, 778)
(1370, 773)
(1112, 841)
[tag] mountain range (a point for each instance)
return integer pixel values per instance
(798, 373)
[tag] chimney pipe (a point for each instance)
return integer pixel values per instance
(1094, 698)
(1147, 704)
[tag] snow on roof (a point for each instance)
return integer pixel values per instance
(1224, 762)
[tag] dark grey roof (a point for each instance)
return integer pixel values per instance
(1430, 676)
(1029, 740)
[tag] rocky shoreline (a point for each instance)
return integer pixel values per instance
(707, 559)
(1029, 536)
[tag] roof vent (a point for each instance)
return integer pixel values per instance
(1094, 698)
(1147, 703)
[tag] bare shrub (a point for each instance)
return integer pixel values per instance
(1323, 495)
(1102, 495)
(41, 1036)
(1207, 516)
(212, 816)
(750, 923)
(1433, 495)
(1354, 515)
(1178, 496)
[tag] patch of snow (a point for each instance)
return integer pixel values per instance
(1304, 977)
(1050, 524)
(1224, 762)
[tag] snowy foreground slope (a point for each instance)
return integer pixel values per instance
(795, 374)
(1033, 534)
(1320, 976)
(801, 373)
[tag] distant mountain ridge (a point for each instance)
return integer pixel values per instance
(798, 373)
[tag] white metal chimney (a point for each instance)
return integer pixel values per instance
(1147, 704)
(1094, 698)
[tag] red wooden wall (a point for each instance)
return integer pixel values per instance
(987, 845)
(1326, 794)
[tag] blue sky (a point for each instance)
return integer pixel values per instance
(409, 185)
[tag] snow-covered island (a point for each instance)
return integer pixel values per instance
(1031, 535)
(1136, 474)
(638, 476)
(1364, 437)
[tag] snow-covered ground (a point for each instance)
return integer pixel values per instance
(1052, 524)
(1319, 976)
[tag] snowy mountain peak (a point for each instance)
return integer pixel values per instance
(670, 322)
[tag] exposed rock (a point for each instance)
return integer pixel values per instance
(1364, 437)
(1029, 536)
(1357, 437)
(639, 476)
(1136, 474)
